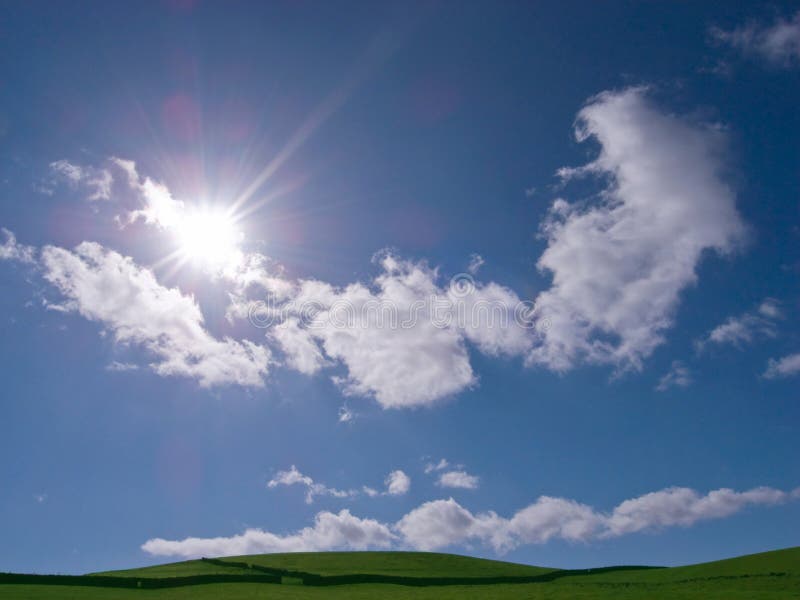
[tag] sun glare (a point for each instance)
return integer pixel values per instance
(209, 237)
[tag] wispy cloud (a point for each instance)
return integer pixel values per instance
(97, 181)
(783, 367)
(747, 327)
(109, 288)
(442, 523)
(11, 250)
(777, 43)
(437, 466)
(120, 367)
(313, 489)
(397, 483)
(677, 376)
(476, 261)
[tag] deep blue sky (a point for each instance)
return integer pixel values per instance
(437, 119)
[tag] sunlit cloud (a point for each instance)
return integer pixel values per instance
(445, 523)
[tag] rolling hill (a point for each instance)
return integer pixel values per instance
(417, 575)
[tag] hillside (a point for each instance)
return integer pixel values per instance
(407, 564)
(418, 576)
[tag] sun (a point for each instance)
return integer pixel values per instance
(209, 237)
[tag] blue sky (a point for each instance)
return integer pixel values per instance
(203, 203)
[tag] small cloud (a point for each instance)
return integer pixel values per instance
(11, 250)
(745, 328)
(40, 498)
(346, 415)
(397, 483)
(530, 192)
(475, 263)
(121, 366)
(458, 479)
(431, 467)
(98, 182)
(783, 367)
(294, 477)
(677, 376)
(777, 43)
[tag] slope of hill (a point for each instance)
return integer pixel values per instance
(406, 564)
(766, 576)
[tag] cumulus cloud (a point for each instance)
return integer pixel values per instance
(302, 352)
(104, 286)
(619, 264)
(677, 376)
(397, 483)
(313, 488)
(403, 338)
(746, 328)
(777, 43)
(386, 338)
(458, 479)
(10, 249)
(330, 531)
(783, 367)
(442, 523)
(97, 181)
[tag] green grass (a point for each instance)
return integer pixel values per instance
(411, 564)
(178, 569)
(753, 565)
(766, 576)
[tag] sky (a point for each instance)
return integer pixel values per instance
(512, 280)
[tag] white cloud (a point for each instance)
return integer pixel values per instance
(492, 319)
(346, 415)
(121, 366)
(438, 466)
(387, 339)
(397, 483)
(313, 489)
(620, 264)
(475, 263)
(97, 181)
(677, 376)
(303, 354)
(109, 288)
(747, 327)
(778, 43)
(10, 249)
(684, 507)
(403, 339)
(159, 207)
(441, 523)
(458, 479)
(330, 531)
(783, 367)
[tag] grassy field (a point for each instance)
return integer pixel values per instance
(766, 576)
(413, 564)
